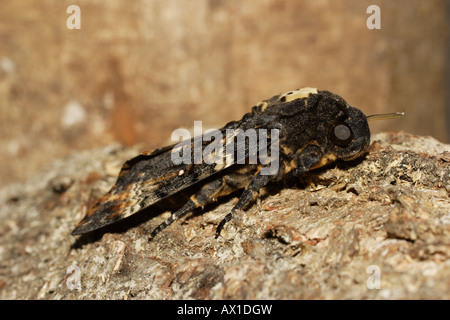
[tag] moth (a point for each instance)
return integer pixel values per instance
(310, 129)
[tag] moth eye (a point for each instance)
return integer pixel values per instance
(342, 134)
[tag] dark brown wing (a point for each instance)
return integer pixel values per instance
(143, 181)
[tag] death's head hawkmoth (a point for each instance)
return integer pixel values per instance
(304, 129)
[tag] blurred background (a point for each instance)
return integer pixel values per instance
(137, 70)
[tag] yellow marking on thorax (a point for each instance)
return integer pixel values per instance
(263, 106)
(297, 94)
(326, 159)
(195, 201)
(287, 150)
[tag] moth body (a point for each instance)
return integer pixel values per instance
(313, 128)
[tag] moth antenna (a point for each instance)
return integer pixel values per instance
(385, 116)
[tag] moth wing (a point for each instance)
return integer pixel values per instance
(143, 181)
(153, 176)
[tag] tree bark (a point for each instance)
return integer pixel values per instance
(377, 228)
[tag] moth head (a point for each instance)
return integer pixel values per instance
(350, 136)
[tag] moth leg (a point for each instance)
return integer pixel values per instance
(309, 158)
(185, 209)
(257, 183)
(207, 194)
